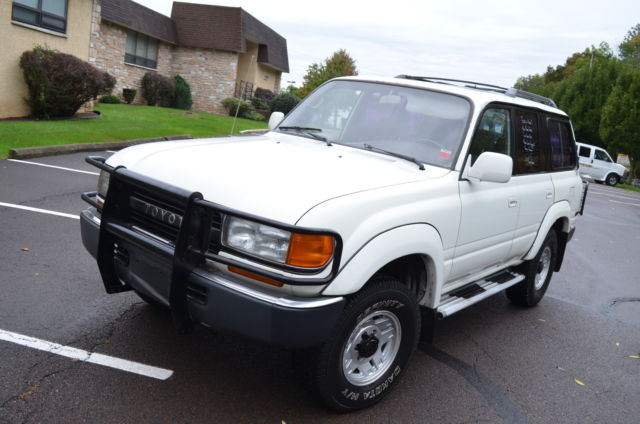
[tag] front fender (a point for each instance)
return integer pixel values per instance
(557, 211)
(421, 239)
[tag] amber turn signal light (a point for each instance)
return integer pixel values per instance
(255, 276)
(309, 250)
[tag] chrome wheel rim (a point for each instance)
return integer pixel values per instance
(544, 265)
(371, 348)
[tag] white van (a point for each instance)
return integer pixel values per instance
(595, 162)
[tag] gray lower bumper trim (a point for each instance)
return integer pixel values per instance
(294, 303)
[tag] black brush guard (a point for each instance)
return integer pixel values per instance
(196, 241)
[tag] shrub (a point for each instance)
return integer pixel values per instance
(111, 99)
(183, 93)
(258, 103)
(129, 94)
(252, 114)
(59, 84)
(158, 88)
(284, 102)
(264, 94)
(231, 104)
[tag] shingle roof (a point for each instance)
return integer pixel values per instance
(226, 28)
(142, 19)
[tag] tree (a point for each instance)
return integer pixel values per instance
(338, 65)
(620, 125)
(630, 47)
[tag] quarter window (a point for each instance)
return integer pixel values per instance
(563, 147)
(584, 152)
(529, 155)
(493, 134)
(49, 14)
(141, 50)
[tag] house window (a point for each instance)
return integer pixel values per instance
(49, 14)
(141, 50)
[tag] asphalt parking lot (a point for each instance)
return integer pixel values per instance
(575, 358)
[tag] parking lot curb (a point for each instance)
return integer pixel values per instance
(32, 152)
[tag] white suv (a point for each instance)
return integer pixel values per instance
(375, 208)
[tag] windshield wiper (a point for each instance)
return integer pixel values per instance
(398, 155)
(308, 131)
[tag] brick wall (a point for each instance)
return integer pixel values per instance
(210, 73)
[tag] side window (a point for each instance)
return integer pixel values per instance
(493, 133)
(601, 155)
(529, 155)
(585, 152)
(562, 145)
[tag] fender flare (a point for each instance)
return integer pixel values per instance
(419, 238)
(560, 210)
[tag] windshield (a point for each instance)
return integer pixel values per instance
(421, 124)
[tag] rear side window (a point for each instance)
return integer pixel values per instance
(585, 152)
(562, 145)
(528, 149)
(493, 133)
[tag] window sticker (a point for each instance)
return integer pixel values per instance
(498, 128)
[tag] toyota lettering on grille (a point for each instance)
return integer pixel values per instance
(156, 212)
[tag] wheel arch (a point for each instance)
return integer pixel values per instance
(412, 253)
(558, 220)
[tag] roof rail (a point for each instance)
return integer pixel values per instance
(511, 92)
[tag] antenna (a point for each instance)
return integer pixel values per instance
(246, 77)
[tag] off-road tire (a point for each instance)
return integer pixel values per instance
(378, 309)
(538, 272)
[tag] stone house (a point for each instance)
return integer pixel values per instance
(220, 51)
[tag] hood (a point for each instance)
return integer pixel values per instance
(276, 176)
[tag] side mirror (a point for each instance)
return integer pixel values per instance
(275, 119)
(492, 167)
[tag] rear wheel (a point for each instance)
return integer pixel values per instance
(373, 342)
(612, 179)
(538, 272)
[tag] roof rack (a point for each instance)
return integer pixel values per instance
(511, 92)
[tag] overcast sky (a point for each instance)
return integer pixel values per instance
(491, 41)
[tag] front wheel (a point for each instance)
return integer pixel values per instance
(538, 272)
(373, 342)
(612, 179)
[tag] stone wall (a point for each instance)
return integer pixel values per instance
(210, 73)
(107, 53)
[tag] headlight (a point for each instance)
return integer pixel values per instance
(276, 245)
(103, 186)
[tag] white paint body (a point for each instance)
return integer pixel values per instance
(383, 207)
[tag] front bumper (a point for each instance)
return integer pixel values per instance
(215, 299)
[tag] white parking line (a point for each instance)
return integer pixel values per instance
(29, 208)
(86, 356)
(54, 166)
(624, 203)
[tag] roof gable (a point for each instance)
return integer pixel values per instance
(139, 18)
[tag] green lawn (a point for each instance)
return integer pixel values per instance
(629, 187)
(118, 122)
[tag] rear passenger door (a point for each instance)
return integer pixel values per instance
(530, 177)
(567, 185)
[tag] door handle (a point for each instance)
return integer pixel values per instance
(513, 203)
(549, 194)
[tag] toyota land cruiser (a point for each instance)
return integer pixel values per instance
(375, 208)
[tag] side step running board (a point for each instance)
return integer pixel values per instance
(470, 294)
